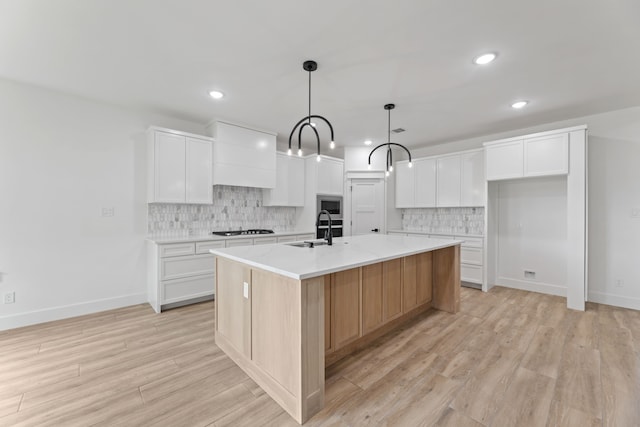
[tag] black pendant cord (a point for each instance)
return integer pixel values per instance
(388, 144)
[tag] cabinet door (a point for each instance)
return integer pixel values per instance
(279, 195)
(547, 155)
(449, 172)
(425, 183)
(504, 161)
(405, 185)
(169, 168)
(409, 283)
(472, 186)
(371, 297)
(345, 301)
(392, 286)
(330, 177)
(198, 171)
(424, 277)
(295, 181)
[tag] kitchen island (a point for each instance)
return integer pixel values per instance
(284, 312)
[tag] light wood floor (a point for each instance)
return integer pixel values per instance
(509, 358)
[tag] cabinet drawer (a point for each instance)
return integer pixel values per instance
(438, 236)
(187, 266)
(239, 242)
(177, 249)
(187, 288)
(471, 273)
(471, 255)
(203, 247)
(471, 242)
(305, 236)
(286, 239)
(265, 240)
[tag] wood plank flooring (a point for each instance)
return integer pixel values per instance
(509, 358)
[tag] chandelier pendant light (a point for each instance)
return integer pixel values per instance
(388, 145)
(310, 66)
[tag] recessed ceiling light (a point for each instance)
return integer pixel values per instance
(484, 59)
(368, 142)
(519, 104)
(216, 94)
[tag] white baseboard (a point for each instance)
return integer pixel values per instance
(615, 300)
(543, 288)
(66, 311)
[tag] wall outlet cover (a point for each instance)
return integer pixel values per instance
(9, 297)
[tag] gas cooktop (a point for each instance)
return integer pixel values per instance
(241, 232)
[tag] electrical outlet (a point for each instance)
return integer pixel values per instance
(245, 290)
(106, 212)
(619, 283)
(529, 274)
(9, 297)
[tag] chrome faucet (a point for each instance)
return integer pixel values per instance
(328, 235)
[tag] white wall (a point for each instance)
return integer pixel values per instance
(532, 230)
(62, 159)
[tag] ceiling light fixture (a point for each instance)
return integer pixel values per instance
(216, 94)
(519, 104)
(388, 144)
(368, 142)
(310, 66)
(485, 58)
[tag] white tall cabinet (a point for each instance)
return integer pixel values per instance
(554, 164)
(179, 167)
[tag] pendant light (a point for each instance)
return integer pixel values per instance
(310, 66)
(388, 145)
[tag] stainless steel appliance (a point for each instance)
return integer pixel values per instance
(331, 204)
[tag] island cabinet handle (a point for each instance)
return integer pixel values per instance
(375, 230)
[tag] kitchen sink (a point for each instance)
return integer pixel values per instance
(307, 243)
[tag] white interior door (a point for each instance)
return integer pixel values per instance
(367, 206)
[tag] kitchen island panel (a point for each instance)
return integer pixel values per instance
(446, 279)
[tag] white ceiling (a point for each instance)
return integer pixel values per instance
(568, 57)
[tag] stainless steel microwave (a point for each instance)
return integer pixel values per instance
(331, 204)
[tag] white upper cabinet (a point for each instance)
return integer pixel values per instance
(546, 155)
(504, 160)
(179, 167)
(405, 185)
(535, 155)
(243, 157)
(448, 178)
(472, 184)
(289, 189)
(330, 175)
(425, 183)
(198, 171)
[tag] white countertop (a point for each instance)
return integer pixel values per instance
(210, 237)
(345, 253)
(436, 233)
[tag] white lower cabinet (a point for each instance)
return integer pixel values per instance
(179, 273)
(184, 273)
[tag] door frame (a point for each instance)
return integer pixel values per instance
(362, 175)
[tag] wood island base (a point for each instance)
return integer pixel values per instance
(283, 332)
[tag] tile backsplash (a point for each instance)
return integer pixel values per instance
(233, 208)
(444, 220)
